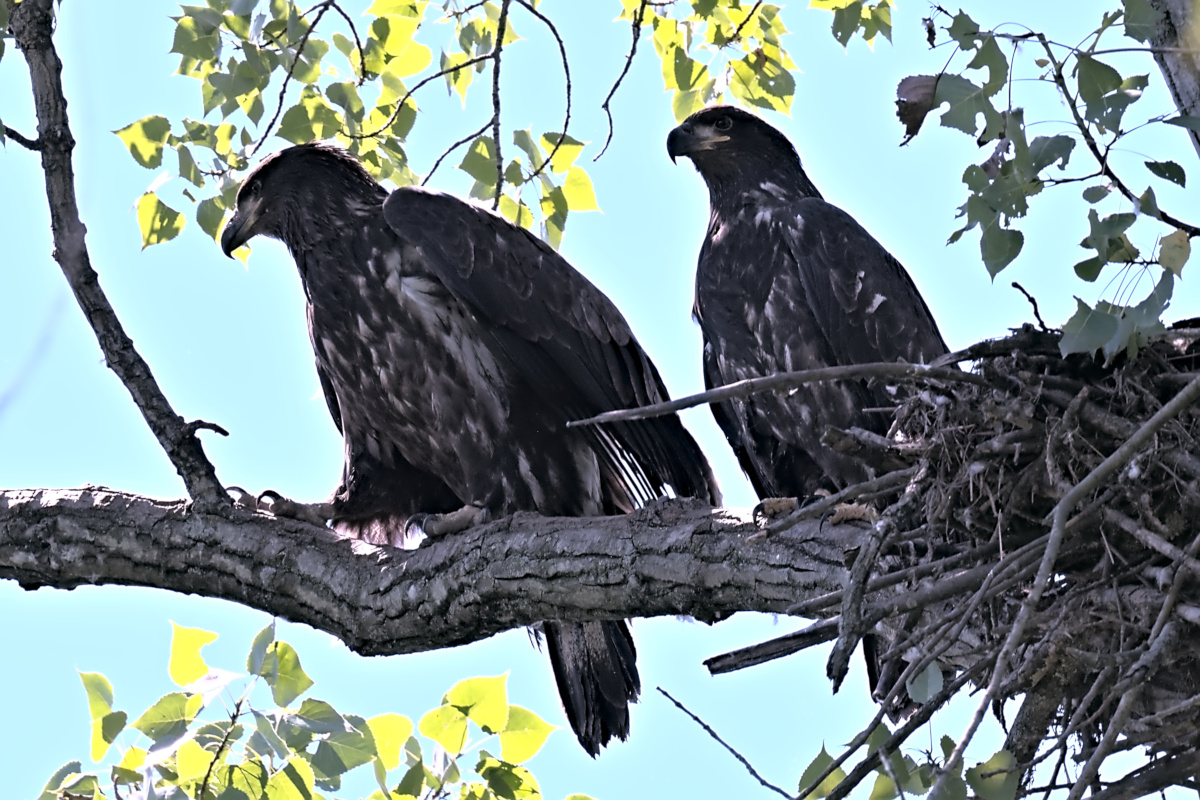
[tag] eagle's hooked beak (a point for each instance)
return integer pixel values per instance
(240, 227)
(689, 138)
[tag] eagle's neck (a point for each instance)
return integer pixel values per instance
(749, 181)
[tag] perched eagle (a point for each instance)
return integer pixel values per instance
(453, 348)
(788, 282)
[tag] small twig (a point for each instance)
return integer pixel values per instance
(362, 56)
(1033, 302)
(1100, 156)
(418, 85)
(201, 425)
(737, 34)
(501, 29)
(749, 767)
(562, 51)
(783, 381)
(216, 757)
(19, 138)
(287, 77)
(454, 147)
(636, 25)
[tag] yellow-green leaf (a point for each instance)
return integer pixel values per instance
(186, 664)
(158, 222)
(1173, 251)
(391, 731)
(484, 700)
(99, 693)
(283, 673)
(293, 782)
(996, 778)
(567, 152)
(523, 736)
(145, 139)
(105, 731)
(169, 716)
(447, 726)
(578, 190)
(192, 761)
(815, 768)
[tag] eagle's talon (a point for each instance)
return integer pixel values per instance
(434, 525)
(852, 512)
(275, 504)
(772, 508)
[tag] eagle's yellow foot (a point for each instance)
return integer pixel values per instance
(275, 504)
(772, 508)
(853, 512)
(445, 524)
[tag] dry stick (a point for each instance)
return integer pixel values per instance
(1092, 481)
(32, 24)
(1159, 635)
(1153, 541)
(562, 51)
(362, 56)
(783, 381)
(737, 34)
(1153, 778)
(749, 767)
(638, 16)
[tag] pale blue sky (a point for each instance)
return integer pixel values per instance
(228, 344)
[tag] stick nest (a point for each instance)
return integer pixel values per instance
(957, 549)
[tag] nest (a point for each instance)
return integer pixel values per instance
(1107, 655)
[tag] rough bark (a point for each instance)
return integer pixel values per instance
(674, 557)
(1180, 68)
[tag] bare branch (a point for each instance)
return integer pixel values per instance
(501, 29)
(287, 77)
(19, 138)
(636, 26)
(782, 382)
(562, 51)
(717, 738)
(32, 25)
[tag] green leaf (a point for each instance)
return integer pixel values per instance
(170, 716)
(523, 736)
(1002, 785)
(158, 222)
(967, 102)
(342, 752)
(1094, 194)
(145, 139)
(1096, 79)
(1168, 170)
(1191, 123)
(999, 247)
(50, 792)
(578, 190)
(105, 731)
(763, 81)
(484, 700)
(1141, 22)
(186, 664)
(309, 119)
(1173, 251)
(480, 162)
(884, 788)
(1087, 330)
(295, 781)
(258, 649)
(210, 213)
(924, 686)
(815, 768)
(318, 716)
(283, 673)
(248, 777)
(99, 693)
(192, 761)
(1146, 204)
(569, 149)
(507, 780)
(390, 732)
(447, 726)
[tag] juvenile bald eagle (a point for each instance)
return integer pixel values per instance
(788, 282)
(453, 348)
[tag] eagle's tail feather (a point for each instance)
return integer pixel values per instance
(595, 666)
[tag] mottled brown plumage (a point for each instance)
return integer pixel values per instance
(453, 348)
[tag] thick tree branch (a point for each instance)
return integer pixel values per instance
(674, 557)
(32, 24)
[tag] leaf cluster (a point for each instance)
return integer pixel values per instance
(186, 746)
(981, 101)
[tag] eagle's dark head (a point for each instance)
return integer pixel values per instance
(736, 152)
(290, 194)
